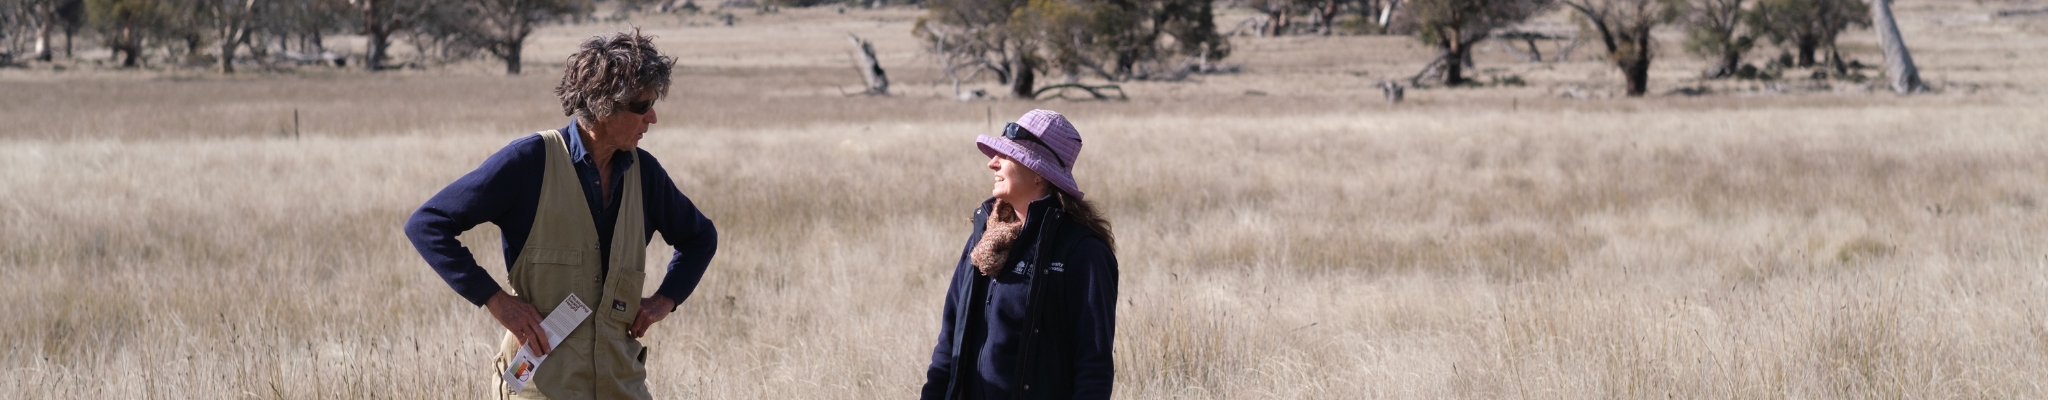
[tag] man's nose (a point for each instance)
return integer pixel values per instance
(649, 117)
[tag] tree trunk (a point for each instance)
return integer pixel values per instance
(191, 49)
(227, 56)
(1806, 48)
(1454, 62)
(1021, 81)
(378, 32)
(380, 43)
(48, 25)
(129, 47)
(1387, 13)
(233, 20)
(1326, 17)
(1835, 63)
(1638, 75)
(511, 57)
(1898, 63)
(1454, 72)
(514, 40)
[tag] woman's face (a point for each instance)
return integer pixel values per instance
(1015, 184)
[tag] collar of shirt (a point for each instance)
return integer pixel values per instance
(580, 155)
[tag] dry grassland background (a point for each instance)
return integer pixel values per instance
(160, 236)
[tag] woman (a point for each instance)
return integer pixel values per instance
(1031, 312)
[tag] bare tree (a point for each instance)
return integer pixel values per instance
(1898, 63)
(1453, 26)
(1624, 27)
(1713, 31)
(501, 26)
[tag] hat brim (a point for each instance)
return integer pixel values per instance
(1048, 169)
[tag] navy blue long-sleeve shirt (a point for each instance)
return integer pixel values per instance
(505, 191)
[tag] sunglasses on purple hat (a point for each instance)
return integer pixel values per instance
(1015, 132)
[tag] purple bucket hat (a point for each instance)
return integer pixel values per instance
(1061, 140)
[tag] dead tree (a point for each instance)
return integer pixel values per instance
(870, 69)
(1898, 63)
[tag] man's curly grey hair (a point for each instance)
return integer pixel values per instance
(609, 71)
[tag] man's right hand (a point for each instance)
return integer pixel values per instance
(521, 319)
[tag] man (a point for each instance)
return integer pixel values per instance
(577, 206)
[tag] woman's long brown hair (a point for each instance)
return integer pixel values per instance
(1084, 212)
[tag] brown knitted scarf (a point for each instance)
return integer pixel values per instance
(994, 247)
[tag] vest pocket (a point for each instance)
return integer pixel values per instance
(548, 275)
(624, 290)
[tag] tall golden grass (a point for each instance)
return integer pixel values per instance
(160, 238)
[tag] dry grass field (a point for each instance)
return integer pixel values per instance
(1284, 233)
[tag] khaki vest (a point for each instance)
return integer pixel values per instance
(598, 360)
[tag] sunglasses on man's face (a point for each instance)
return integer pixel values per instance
(1015, 133)
(640, 107)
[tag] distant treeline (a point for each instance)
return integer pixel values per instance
(202, 32)
(1012, 40)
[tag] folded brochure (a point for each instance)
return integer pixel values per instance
(558, 325)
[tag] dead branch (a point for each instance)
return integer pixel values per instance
(1093, 91)
(870, 69)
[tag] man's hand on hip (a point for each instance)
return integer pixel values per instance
(521, 319)
(652, 310)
